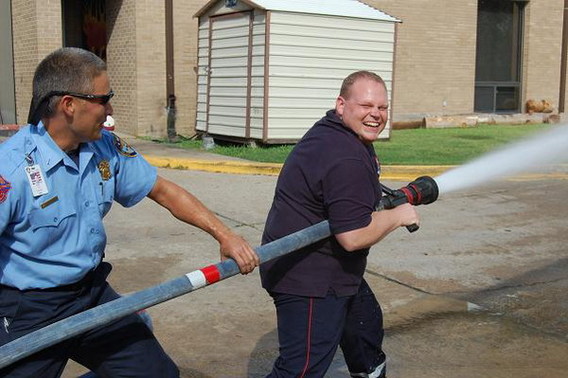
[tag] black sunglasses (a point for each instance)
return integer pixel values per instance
(104, 99)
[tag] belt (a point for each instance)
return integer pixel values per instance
(81, 284)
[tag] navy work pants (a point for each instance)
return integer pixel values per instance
(122, 348)
(311, 329)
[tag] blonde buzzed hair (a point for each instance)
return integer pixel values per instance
(352, 78)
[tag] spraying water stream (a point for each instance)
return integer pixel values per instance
(523, 156)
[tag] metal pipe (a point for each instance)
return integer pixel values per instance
(563, 61)
(79, 323)
(170, 76)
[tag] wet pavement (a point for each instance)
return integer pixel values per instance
(479, 291)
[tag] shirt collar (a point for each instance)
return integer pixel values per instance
(50, 153)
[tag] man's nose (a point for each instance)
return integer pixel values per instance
(376, 113)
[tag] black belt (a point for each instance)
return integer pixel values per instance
(81, 284)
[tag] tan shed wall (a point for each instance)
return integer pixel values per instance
(229, 89)
(217, 9)
(310, 55)
(228, 83)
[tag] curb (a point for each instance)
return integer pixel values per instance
(389, 172)
(217, 166)
(404, 173)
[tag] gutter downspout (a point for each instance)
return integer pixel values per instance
(563, 61)
(170, 82)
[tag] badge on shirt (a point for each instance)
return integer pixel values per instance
(104, 170)
(36, 180)
(4, 189)
(378, 166)
(123, 147)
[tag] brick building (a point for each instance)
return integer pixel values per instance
(451, 58)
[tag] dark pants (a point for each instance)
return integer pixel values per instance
(123, 348)
(311, 329)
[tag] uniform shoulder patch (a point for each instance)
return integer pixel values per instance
(123, 147)
(5, 187)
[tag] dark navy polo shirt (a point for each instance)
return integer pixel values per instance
(330, 174)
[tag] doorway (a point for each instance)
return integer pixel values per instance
(84, 25)
(499, 56)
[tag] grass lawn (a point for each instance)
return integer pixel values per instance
(449, 146)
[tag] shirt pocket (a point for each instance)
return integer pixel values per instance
(106, 196)
(49, 224)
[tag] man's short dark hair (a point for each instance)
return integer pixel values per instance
(68, 69)
(352, 78)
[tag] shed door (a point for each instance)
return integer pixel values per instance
(229, 75)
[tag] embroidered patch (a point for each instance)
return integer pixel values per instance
(104, 170)
(4, 189)
(123, 147)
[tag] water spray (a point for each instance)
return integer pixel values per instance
(522, 156)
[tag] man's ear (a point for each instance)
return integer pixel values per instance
(339, 106)
(67, 105)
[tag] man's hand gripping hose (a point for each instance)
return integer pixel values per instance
(421, 191)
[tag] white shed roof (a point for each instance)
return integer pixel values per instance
(346, 8)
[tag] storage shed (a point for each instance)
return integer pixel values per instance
(268, 69)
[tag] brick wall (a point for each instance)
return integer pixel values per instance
(151, 67)
(435, 56)
(185, 58)
(434, 62)
(136, 58)
(122, 63)
(543, 43)
(37, 31)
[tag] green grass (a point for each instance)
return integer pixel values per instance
(449, 146)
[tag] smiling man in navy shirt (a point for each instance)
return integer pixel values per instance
(321, 298)
(58, 178)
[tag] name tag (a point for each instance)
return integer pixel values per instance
(36, 180)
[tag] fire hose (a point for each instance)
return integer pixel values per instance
(423, 190)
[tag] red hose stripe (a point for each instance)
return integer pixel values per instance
(418, 195)
(408, 194)
(308, 337)
(211, 274)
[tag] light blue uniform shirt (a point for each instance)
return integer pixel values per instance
(56, 238)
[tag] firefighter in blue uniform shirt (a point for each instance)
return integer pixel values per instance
(321, 298)
(58, 178)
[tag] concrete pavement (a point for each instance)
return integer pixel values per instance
(480, 291)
